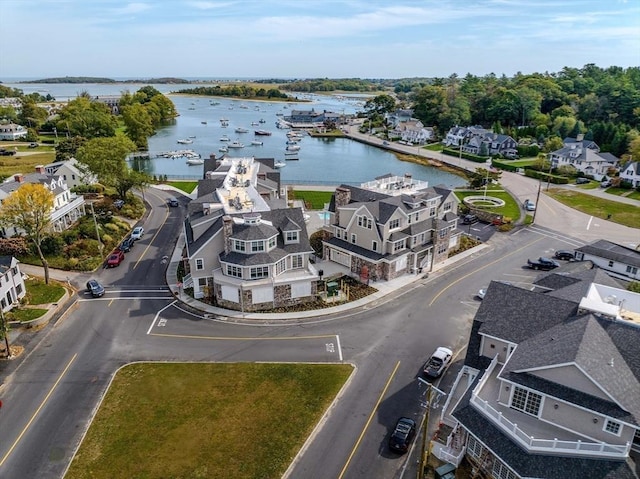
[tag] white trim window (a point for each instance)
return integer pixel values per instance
(235, 271)
(291, 237)
(259, 272)
(393, 224)
(354, 238)
(365, 222)
(239, 246)
(526, 401)
(374, 245)
(296, 261)
(398, 246)
(272, 243)
(281, 266)
(257, 246)
(199, 264)
(612, 427)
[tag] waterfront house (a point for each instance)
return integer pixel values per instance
(391, 226)
(12, 288)
(412, 131)
(312, 118)
(550, 386)
(459, 135)
(71, 172)
(12, 131)
(631, 174)
(396, 117)
(67, 206)
(245, 249)
(617, 260)
(585, 157)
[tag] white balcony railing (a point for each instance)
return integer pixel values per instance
(549, 446)
(58, 213)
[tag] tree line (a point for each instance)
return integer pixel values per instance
(238, 91)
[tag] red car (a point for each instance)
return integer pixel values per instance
(115, 259)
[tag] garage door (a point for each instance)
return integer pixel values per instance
(340, 257)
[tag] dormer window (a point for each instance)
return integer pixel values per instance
(257, 246)
(364, 222)
(291, 237)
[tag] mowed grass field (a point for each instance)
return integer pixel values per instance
(628, 215)
(189, 421)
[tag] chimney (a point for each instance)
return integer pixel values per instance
(40, 169)
(19, 178)
(227, 231)
(580, 137)
(343, 196)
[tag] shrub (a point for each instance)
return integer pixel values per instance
(315, 241)
(52, 245)
(70, 236)
(13, 246)
(111, 226)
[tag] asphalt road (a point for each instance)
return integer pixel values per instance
(51, 397)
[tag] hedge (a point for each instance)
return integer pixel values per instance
(540, 175)
(466, 156)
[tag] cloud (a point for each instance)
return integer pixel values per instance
(204, 5)
(129, 8)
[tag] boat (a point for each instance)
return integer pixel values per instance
(241, 130)
(292, 142)
(224, 138)
(192, 136)
(235, 144)
(254, 123)
(279, 164)
(185, 141)
(195, 161)
(293, 147)
(223, 149)
(257, 143)
(262, 133)
(291, 155)
(203, 122)
(262, 120)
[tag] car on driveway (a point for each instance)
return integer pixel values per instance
(126, 244)
(94, 288)
(605, 184)
(437, 363)
(115, 258)
(542, 263)
(137, 233)
(565, 255)
(582, 181)
(469, 219)
(402, 435)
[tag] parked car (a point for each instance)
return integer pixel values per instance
(605, 184)
(94, 288)
(137, 233)
(4, 152)
(118, 203)
(385, 143)
(469, 219)
(115, 258)
(582, 181)
(126, 244)
(402, 435)
(543, 263)
(437, 363)
(564, 255)
(173, 202)
(481, 293)
(529, 205)
(33, 145)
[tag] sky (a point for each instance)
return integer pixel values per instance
(313, 39)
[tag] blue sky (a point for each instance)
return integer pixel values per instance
(306, 38)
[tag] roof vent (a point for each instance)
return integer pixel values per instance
(611, 362)
(612, 299)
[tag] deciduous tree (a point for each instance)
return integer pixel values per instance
(28, 210)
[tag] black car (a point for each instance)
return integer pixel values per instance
(543, 263)
(95, 288)
(402, 435)
(126, 245)
(469, 219)
(173, 202)
(582, 181)
(564, 255)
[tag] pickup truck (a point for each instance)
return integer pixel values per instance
(543, 263)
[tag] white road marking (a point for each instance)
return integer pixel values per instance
(157, 315)
(339, 347)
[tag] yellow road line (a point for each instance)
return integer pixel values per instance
(435, 298)
(33, 417)
(366, 426)
(223, 338)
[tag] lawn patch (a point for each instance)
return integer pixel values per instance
(313, 200)
(186, 186)
(628, 215)
(40, 293)
(206, 420)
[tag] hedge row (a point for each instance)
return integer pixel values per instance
(541, 175)
(466, 156)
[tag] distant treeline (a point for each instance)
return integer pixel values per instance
(73, 80)
(239, 91)
(325, 84)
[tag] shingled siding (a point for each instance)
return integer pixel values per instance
(281, 298)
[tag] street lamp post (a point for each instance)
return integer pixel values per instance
(5, 331)
(95, 223)
(486, 183)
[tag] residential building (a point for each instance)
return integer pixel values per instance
(617, 260)
(458, 135)
(393, 119)
(71, 172)
(245, 249)
(585, 157)
(12, 288)
(479, 141)
(67, 207)
(550, 386)
(391, 226)
(631, 174)
(312, 118)
(12, 131)
(412, 131)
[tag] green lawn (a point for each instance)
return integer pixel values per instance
(633, 194)
(186, 186)
(509, 210)
(40, 293)
(25, 314)
(187, 421)
(628, 215)
(313, 200)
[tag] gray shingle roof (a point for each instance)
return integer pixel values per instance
(260, 231)
(612, 251)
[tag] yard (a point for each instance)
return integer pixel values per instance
(206, 420)
(510, 210)
(313, 200)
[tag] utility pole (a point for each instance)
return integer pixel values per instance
(95, 223)
(425, 451)
(5, 332)
(537, 202)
